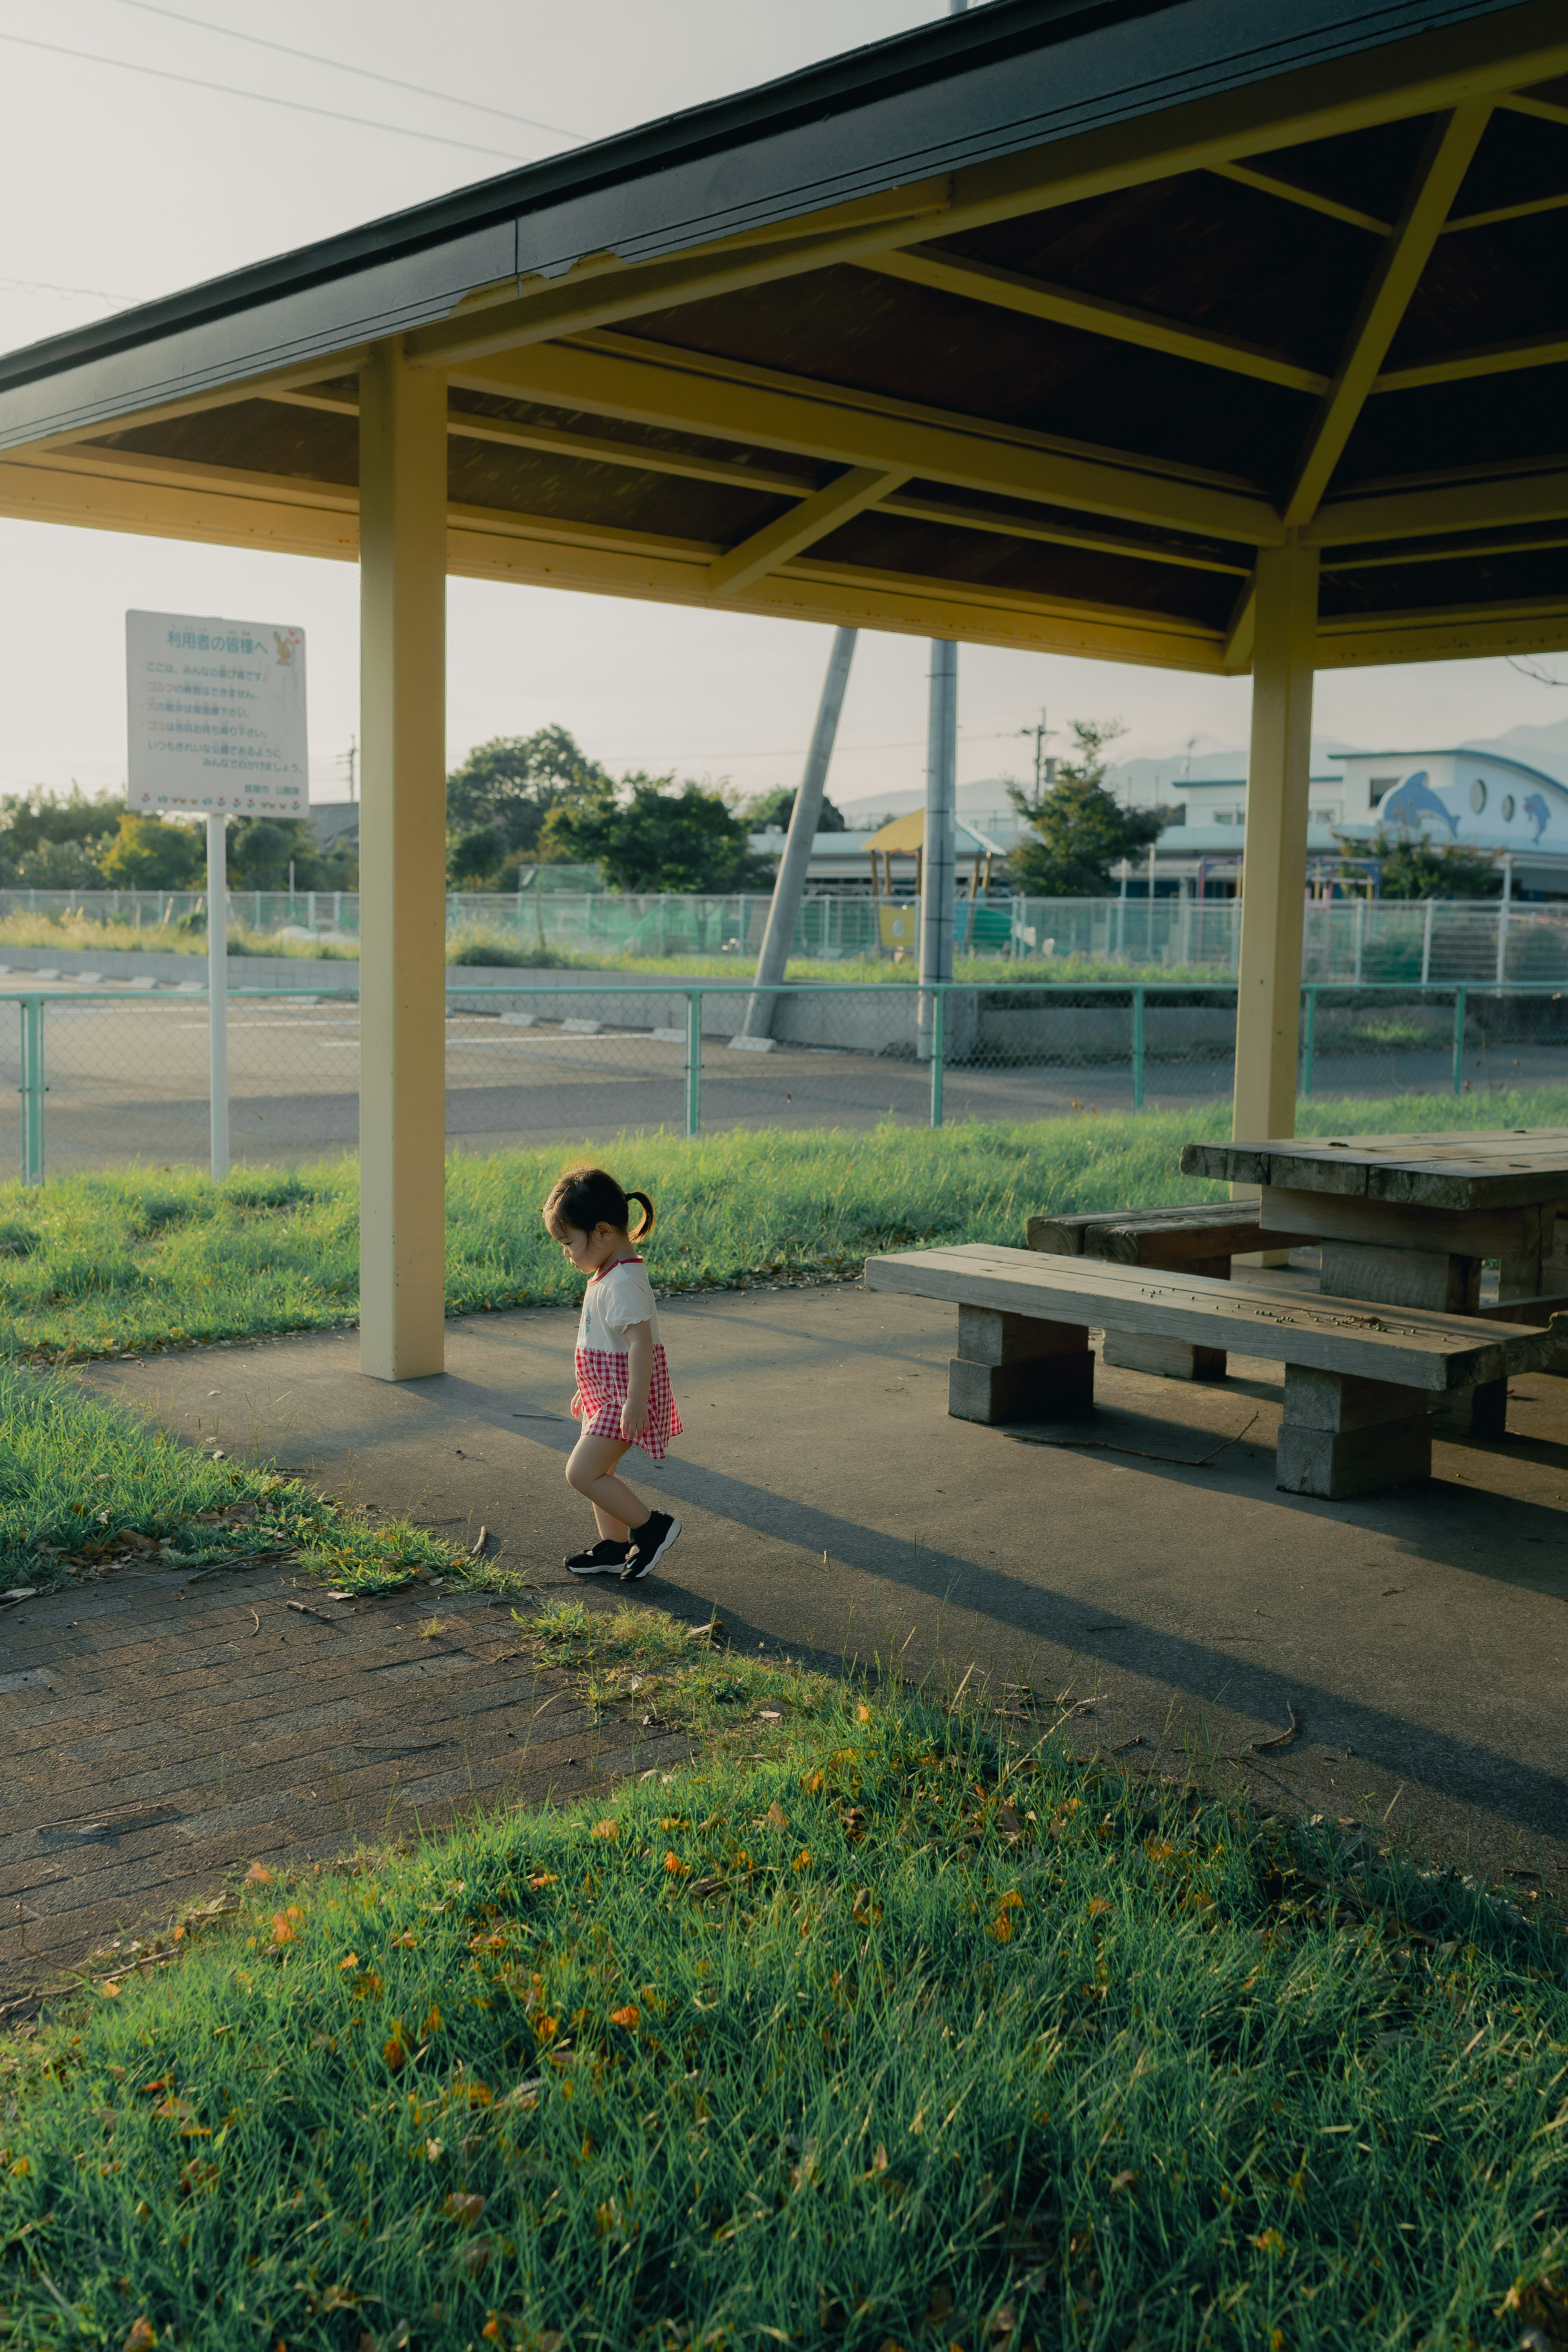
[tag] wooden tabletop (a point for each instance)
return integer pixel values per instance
(1496, 1169)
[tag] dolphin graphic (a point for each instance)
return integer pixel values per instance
(1414, 801)
(1539, 816)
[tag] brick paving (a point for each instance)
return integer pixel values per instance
(161, 1730)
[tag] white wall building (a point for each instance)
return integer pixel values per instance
(1479, 799)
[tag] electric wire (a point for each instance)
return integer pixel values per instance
(338, 65)
(262, 96)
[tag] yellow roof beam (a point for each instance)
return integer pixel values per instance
(464, 425)
(1535, 625)
(1247, 175)
(1005, 290)
(818, 425)
(1500, 502)
(814, 518)
(1505, 213)
(1053, 534)
(1445, 158)
(1487, 359)
(1545, 110)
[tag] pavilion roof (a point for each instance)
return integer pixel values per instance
(1030, 327)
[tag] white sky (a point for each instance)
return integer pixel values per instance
(118, 186)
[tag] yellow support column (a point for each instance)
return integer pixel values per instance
(402, 866)
(1274, 868)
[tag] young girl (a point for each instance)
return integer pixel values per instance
(622, 1395)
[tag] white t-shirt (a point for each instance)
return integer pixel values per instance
(613, 1300)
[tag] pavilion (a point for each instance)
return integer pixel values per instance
(1176, 331)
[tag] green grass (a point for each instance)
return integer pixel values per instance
(84, 1488)
(896, 2040)
(103, 1266)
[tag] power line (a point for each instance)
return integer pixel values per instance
(263, 97)
(47, 286)
(150, 8)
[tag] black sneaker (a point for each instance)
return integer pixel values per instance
(604, 1560)
(648, 1544)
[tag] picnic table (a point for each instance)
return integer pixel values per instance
(1407, 1220)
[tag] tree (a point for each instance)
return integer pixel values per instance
(149, 854)
(50, 844)
(659, 838)
(261, 850)
(777, 807)
(498, 801)
(1415, 868)
(1081, 830)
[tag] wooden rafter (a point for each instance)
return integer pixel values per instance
(1445, 158)
(816, 423)
(1418, 511)
(1489, 359)
(790, 534)
(1005, 290)
(1273, 183)
(466, 425)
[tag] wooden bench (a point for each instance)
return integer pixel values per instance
(1359, 1381)
(1200, 1237)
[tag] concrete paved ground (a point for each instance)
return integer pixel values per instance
(831, 1508)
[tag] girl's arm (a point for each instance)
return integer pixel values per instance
(639, 1375)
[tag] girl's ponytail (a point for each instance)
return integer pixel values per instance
(586, 1197)
(646, 1207)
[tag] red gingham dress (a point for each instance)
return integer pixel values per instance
(618, 1297)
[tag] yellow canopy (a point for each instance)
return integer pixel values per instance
(903, 835)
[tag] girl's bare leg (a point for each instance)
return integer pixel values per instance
(590, 1473)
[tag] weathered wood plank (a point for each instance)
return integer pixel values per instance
(1462, 1171)
(1330, 1216)
(1416, 1346)
(1166, 1237)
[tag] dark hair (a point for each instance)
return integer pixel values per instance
(586, 1197)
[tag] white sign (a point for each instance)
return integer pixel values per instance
(216, 716)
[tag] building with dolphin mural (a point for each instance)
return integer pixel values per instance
(1479, 800)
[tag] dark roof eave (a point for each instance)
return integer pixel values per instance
(1010, 76)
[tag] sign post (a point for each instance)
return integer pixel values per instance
(217, 989)
(216, 728)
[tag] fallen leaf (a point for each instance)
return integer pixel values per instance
(395, 2050)
(1097, 1905)
(676, 1867)
(141, 2338)
(801, 1860)
(350, 1961)
(543, 1878)
(109, 1989)
(776, 1816)
(1123, 2179)
(257, 1875)
(606, 1829)
(463, 2206)
(630, 2017)
(862, 1714)
(432, 2024)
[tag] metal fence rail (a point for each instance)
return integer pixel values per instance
(99, 1079)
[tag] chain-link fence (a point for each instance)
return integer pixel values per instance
(1361, 941)
(94, 1079)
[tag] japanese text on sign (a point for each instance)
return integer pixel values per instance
(216, 716)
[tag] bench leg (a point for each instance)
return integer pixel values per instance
(1480, 1411)
(1172, 1359)
(1342, 1436)
(1019, 1368)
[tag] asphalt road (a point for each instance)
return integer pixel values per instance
(128, 1081)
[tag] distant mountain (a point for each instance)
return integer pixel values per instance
(1545, 748)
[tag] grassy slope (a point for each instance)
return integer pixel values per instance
(83, 1486)
(491, 944)
(884, 2043)
(104, 1265)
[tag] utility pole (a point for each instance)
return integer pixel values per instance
(789, 884)
(352, 756)
(938, 865)
(1040, 736)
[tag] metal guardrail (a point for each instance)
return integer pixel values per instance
(937, 1037)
